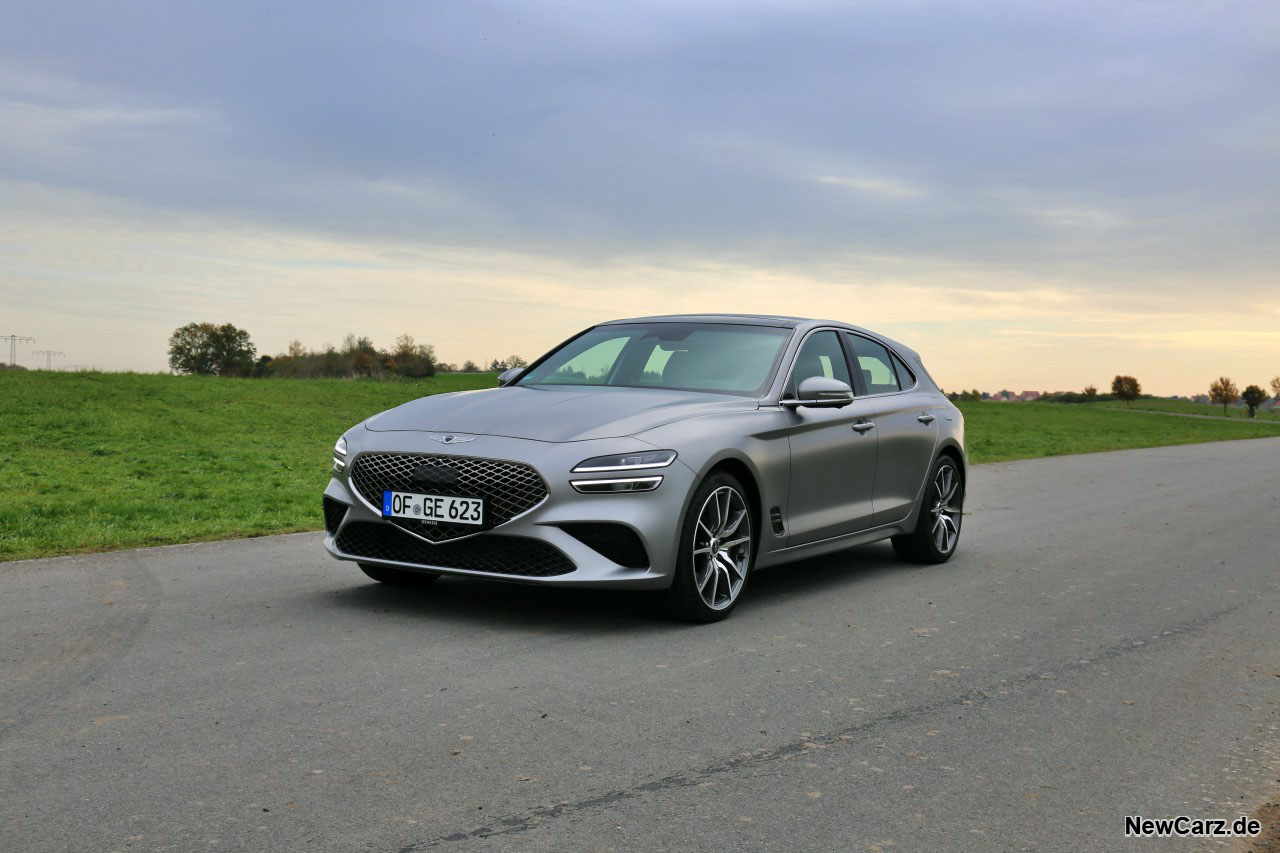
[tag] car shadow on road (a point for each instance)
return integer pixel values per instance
(497, 605)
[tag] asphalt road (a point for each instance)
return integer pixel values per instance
(1105, 643)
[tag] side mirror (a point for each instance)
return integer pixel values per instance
(506, 377)
(819, 392)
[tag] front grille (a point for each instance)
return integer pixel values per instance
(334, 512)
(488, 552)
(615, 541)
(508, 488)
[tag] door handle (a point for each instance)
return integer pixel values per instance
(863, 426)
(925, 418)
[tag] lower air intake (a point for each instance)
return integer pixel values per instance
(487, 552)
(617, 542)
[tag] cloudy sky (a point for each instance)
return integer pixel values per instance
(1034, 195)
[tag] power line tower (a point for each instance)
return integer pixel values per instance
(13, 345)
(48, 356)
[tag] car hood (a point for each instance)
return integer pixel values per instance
(553, 414)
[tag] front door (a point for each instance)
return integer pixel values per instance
(833, 452)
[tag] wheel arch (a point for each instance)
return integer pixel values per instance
(952, 450)
(745, 474)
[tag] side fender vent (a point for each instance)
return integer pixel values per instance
(775, 518)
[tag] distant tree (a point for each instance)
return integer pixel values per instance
(1090, 392)
(1223, 392)
(470, 366)
(413, 359)
(203, 348)
(191, 348)
(1253, 397)
(1125, 388)
(497, 366)
(516, 361)
(233, 351)
(1275, 387)
(263, 366)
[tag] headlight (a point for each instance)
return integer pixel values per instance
(341, 447)
(602, 487)
(339, 455)
(626, 461)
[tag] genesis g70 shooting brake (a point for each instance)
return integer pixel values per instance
(675, 453)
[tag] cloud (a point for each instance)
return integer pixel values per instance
(1003, 162)
(879, 187)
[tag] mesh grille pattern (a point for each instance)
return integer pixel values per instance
(334, 512)
(615, 541)
(508, 488)
(504, 555)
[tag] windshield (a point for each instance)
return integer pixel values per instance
(716, 357)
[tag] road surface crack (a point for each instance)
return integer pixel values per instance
(537, 816)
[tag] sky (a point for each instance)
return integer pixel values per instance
(1034, 196)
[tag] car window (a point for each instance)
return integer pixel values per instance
(722, 357)
(905, 377)
(820, 355)
(876, 365)
(591, 366)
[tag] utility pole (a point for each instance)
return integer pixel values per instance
(13, 346)
(48, 356)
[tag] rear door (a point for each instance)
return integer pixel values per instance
(833, 464)
(906, 424)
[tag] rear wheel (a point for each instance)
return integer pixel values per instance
(938, 519)
(715, 554)
(397, 577)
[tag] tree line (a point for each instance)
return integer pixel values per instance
(1222, 391)
(224, 350)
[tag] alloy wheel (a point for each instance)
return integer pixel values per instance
(721, 547)
(946, 509)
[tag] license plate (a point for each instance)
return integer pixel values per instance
(435, 509)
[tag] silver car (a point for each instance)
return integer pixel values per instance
(675, 453)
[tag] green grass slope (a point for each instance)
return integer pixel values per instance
(99, 460)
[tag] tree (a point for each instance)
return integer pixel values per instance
(1223, 392)
(413, 359)
(1275, 386)
(1090, 392)
(233, 352)
(516, 361)
(1253, 397)
(1125, 388)
(470, 366)
(206, 349)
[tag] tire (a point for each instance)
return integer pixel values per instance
(707, 586)
(938, 518)
(398, 577)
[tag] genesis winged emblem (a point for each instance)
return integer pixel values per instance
(450, 438)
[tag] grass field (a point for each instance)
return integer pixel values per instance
(997, 432)
(98, 461)
(1186, 407)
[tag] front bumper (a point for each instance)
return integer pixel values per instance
(654, 516)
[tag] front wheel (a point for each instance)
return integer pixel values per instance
(938, 519)
(397, 577)
(715, 554)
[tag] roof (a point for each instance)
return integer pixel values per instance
(746, 319)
